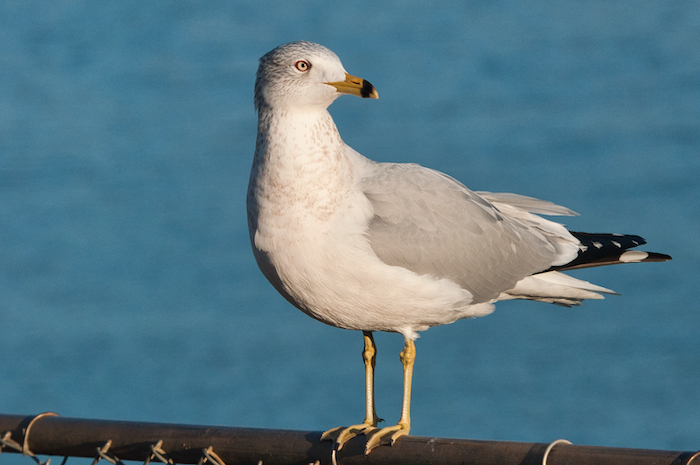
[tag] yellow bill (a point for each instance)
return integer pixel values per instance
(354, 85)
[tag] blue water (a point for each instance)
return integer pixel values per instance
(127, 287)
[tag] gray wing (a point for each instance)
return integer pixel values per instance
(429, 223)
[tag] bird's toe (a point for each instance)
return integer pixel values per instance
(387, 435)
(342, 434)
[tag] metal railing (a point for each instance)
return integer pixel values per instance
(118, 441)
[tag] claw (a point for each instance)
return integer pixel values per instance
(341, 435)
(387, 435)
(331, 434)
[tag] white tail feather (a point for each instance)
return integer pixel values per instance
(555, 287)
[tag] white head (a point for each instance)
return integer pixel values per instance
(304, 75)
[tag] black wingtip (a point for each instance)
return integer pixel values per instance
(658, 257)
(609, 249)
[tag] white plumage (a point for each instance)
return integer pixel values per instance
(382, 246)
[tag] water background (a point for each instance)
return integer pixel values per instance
(127, 287)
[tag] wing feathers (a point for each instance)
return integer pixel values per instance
(609, 249)
(492, 244)
(429, 223)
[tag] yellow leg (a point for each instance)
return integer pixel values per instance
(391, 433)
(341, 435)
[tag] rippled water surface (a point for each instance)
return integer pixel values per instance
(127, 286)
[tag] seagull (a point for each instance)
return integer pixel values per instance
(395, 247)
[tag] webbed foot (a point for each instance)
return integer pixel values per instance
(387, 435)
(342, 434)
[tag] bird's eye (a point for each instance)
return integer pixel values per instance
(302, 65)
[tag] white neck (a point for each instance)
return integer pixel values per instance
(300, 168)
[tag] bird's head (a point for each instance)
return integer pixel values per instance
(305, 75)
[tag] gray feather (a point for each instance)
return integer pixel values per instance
(429, 223)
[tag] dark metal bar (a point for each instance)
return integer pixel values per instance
(57, 436)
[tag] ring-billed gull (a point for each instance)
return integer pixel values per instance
(392, 247)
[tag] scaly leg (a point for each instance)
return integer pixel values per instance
(391, 433)
(341, 435)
